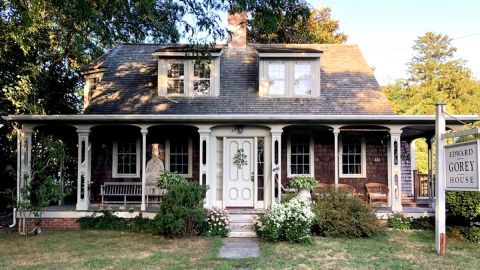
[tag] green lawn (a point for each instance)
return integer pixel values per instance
(123, 250)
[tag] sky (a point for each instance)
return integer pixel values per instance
(386, 30)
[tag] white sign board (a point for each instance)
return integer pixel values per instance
(462, 167)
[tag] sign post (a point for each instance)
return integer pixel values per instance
(440, 236)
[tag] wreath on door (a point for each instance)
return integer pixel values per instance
(240, 159)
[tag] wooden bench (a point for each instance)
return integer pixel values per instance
(322, 188)
(377, 192)
(128, 189)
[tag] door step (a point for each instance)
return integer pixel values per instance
(241, 222)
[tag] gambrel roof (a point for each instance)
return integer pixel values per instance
(129, 84)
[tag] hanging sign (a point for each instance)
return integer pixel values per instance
(461, 166)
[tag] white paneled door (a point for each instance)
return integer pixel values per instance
(239, 175)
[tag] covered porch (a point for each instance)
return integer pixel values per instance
(354, 151)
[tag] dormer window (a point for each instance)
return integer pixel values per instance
(188, 77)
(290, 78)
(286, 71)
(91, 83)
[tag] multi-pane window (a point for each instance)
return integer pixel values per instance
(188, 77)
(289, 78)
(302, 79)
(201, 79)
(176, 78)
(126, 157)
(352, 155)
(179, 155)
(300, 154)
(276, 76)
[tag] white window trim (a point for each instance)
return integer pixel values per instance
(311, 152)
(188, 77)
(264, 83)
(115, 173)
(190, 157)
(363, 160)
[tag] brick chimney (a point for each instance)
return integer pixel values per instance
(237, 27)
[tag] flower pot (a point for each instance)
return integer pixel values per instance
(305, 193)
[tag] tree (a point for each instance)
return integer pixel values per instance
(283, 21)
(323, 28)
(289, 21)
(434, 74)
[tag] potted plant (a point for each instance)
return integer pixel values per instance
(170, 180)
(304, 183)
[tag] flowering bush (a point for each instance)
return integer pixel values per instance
(217, 222)
(289, 221)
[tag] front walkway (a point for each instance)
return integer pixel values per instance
(239, 248)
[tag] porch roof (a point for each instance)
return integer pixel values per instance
(239, 118)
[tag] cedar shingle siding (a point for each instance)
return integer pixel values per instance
(129, 85)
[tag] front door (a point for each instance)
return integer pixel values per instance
(239, 172)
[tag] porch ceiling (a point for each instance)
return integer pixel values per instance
(240, 118)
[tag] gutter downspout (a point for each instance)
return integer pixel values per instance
(14, 222)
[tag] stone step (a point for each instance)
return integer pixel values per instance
(243, 218)
(242, 234)
(241, 226)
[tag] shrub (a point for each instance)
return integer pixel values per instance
(303, 182)
(105, 221)
(181, 210)
(472, 234)
(398, 221)
(216, 223)
(289, 221)
(463, 205)
(423, 223)
(339, 214)
(169, 180)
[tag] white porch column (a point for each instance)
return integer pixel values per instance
(206, 172)
(396, 170)
(25, 155)
(83, 175)
(144, 132)
(336, 131)
(276, 164)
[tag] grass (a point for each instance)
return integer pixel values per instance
(123, 250)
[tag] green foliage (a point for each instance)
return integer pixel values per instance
(423, 223)
(323, 29)
(435, 75)
(106, 220)
(289, 221)
(48, 158)
(169, 180)
(181, 210)
(472, 234)
(303, 182)
(339, 214)
(399, 221)
(289, 21)
(463, 205)
(287, 197)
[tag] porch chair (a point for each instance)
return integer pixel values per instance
(377, 193)
(321, 188)
(347, 188)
